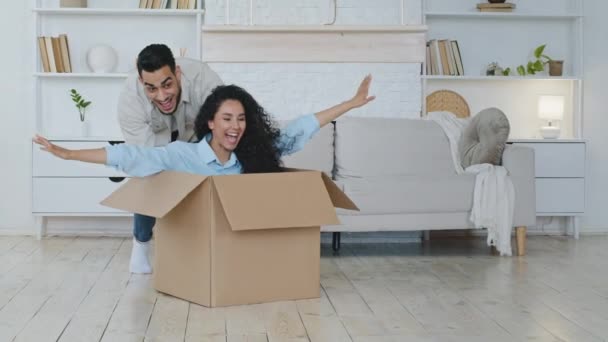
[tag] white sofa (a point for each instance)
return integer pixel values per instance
(400, 174)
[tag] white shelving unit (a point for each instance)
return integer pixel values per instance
(56, 187)
(509, 39)
(500, 15)
(104, 22)
(80, 75)
(117, 12)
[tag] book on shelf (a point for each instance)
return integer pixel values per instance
(186, 4)
(444, 58)
(435, 58)
(501, 7)
(450, 56)
(44, 57)
(443, 54)
(48, 45)
(457, 57)
(55, 54)
(150, 4)
(428, 70)
(65, 52)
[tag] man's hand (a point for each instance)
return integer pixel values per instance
(361, 97)
(46, 145)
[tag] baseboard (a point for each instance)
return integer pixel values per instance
(122, 227)
(374, 237)
(15, 232)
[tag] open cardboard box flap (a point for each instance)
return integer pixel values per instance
(154, 195)
(300, 198)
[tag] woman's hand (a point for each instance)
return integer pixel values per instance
(46, 145)
(361, 97)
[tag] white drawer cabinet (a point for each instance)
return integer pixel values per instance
(46, 165)
(560, 195)
(71, 188)
(72, 195)
(560, 177)
(558, 159)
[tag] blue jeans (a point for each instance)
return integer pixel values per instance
(142, 227)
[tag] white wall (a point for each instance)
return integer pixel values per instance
(15, 91)
(596, 115)
(17, 60)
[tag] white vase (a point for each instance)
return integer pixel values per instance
(84, 128)
(102, 59)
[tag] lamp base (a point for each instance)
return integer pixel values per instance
(550, 132)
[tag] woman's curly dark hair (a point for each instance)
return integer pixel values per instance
(257, 151)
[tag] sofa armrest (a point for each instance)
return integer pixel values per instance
(519, 161)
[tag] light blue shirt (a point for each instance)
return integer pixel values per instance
(198, 157)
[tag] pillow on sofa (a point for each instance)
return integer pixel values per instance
(484, 138)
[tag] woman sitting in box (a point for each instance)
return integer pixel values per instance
(230, 120)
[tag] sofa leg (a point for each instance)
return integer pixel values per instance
(335, 241)
(520, 232)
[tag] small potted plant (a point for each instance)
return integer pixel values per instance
(538, 65)
(81, 105)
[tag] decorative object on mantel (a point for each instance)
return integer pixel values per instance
(496, 7)
(81, 105)
(73, 3)
(447, 100)
(556, 67)
(494, 69)
(550, 108)
(102, 59)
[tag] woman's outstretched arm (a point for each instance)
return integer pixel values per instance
(133, 160)
(97, 155)
(361, 98)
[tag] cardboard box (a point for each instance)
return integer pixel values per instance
(237, 239)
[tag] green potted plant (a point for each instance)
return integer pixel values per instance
(81, 103)
(538, 65)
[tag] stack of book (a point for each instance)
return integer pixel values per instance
(443, 58)
(499, 7)
(171, 4)
(55, 54)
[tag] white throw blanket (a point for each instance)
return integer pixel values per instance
(494, 195)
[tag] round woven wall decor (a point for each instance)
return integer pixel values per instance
(447, 100)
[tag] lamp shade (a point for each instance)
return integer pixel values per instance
(551, 107)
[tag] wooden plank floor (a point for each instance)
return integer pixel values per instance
(79, 289)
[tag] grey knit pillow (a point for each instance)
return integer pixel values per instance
(484, 138)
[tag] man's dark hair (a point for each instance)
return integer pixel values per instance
(257, 150)
(154, 57)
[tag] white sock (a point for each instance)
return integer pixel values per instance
(139, 257)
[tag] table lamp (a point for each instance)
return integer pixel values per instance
(550, 108)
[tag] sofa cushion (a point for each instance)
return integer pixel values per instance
(317, 154)
(484, 138)
(410, 194)
(391, 147)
